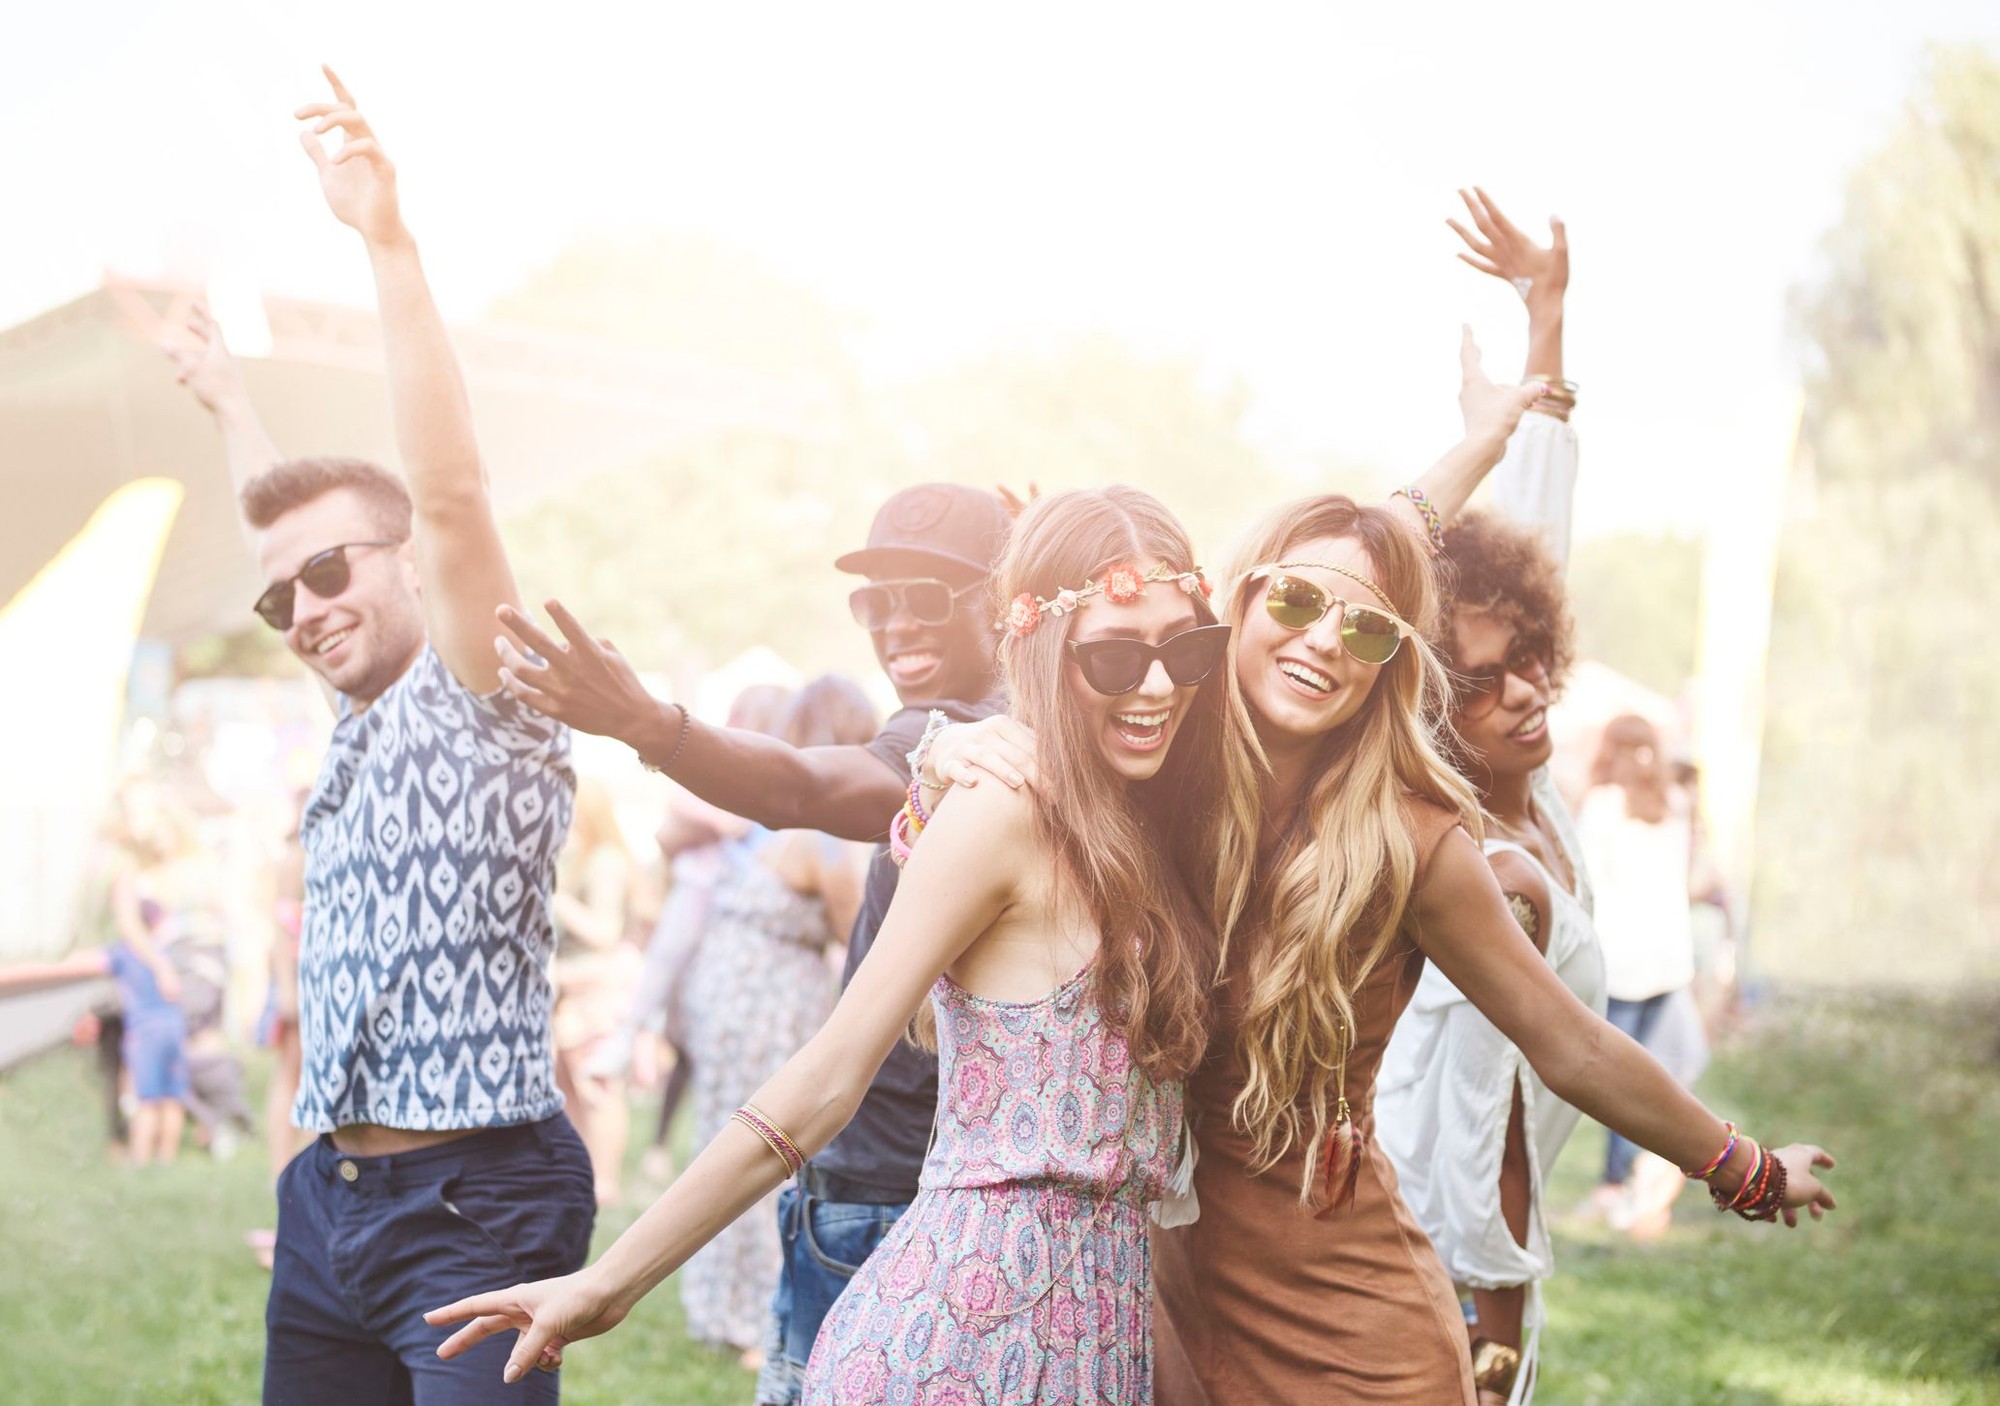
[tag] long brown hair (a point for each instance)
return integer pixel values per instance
(1317, 913)
(1122, 853)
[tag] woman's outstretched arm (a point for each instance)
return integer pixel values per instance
(975, 853)
(1463, 925)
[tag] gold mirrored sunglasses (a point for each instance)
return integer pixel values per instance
(1369, 633)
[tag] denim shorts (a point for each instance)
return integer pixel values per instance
(367, 1244)
(156, 1053)
(825, 1243)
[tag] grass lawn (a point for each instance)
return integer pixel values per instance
(125, 1286)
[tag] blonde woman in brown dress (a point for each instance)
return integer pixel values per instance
(1350, 857)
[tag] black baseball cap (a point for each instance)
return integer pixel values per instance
(934, 529)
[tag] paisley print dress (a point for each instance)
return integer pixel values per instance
(1022, 1272)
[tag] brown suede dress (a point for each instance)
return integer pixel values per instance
(1259, 1302)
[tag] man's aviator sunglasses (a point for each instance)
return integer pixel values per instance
(1370, 634)
(1114, 667)
(325, 574)
(930, 602)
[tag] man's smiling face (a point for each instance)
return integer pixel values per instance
(362, 638)
(928, 662)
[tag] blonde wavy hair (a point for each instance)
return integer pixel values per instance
(1317, 912)
(1123, 853)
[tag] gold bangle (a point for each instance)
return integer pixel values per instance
(1495, 1366)
(776, 1151)
(774, 1137)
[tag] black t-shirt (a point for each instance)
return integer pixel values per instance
(884, 1145)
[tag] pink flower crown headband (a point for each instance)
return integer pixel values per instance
(1120, 585)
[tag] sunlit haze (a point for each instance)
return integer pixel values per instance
(1259, 188)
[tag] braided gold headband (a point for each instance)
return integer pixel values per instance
(1380, 594)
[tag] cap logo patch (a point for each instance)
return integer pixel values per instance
(919, 510)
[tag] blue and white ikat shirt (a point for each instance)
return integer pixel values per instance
(431, 842)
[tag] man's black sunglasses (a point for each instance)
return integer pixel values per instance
(1476, 692)
(931, 602)
(325, 574)
(1114, 667)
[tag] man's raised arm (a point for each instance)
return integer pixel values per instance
(460, 559)
(852, 792)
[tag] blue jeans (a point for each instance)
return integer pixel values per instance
(1637, 1019)
(825, 1243)
(367, 1244)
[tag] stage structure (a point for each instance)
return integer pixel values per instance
(88, 406)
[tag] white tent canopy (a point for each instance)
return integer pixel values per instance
(88, 402)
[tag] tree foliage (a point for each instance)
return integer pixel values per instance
(1637, 601)
(728, 542)
(1878, 823)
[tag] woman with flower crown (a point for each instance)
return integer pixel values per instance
(1061, 968)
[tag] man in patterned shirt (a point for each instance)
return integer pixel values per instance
(444, 1162)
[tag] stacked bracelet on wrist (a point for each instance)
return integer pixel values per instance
(908, 824)
(1427, 510)
(1760, 1195)
(1558, 400)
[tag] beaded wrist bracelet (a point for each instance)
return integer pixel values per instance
(1762, 1195)
(1433, 519)
(680, 743)
(908, 824)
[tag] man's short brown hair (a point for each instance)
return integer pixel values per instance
(296, 482)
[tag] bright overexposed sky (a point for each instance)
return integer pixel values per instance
(1260, 187)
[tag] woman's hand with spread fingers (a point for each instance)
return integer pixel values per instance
(996, 747)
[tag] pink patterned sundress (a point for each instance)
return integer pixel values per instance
(1021, 1273)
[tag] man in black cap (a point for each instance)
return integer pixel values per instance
(926, 607)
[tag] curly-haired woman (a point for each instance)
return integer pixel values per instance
(1472, 1129)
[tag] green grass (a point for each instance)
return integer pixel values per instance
(135, 1286)
(1893, 1299)
(125, 1286)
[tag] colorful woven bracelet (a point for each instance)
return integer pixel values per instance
(1745, 1192)
(936, 722)
(1715, 1163)
(1427, 510)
